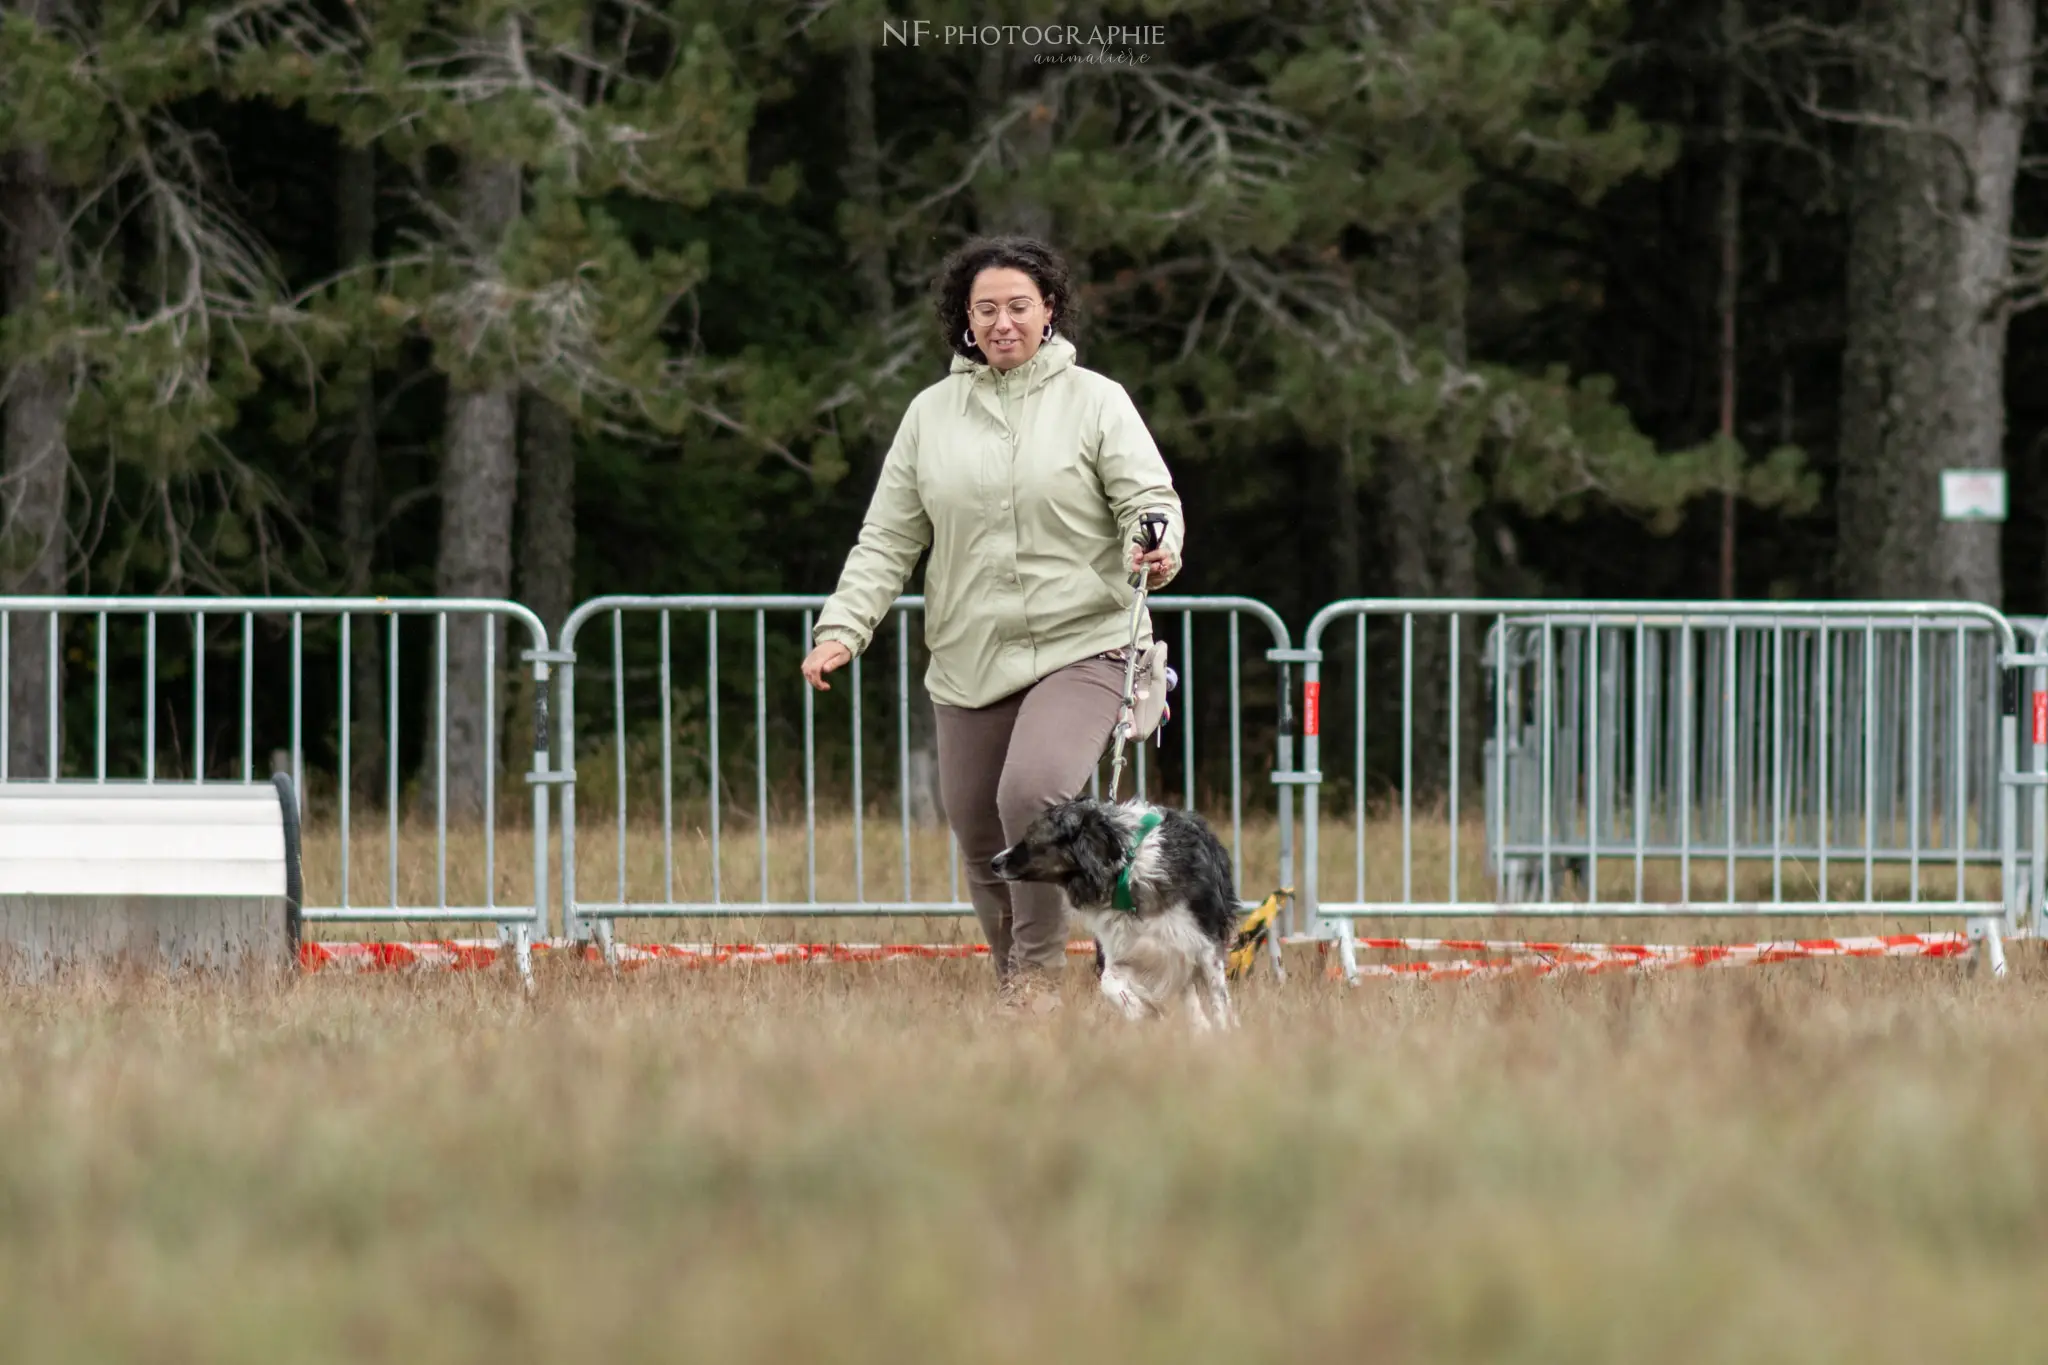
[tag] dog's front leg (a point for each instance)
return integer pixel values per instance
(1117, 987)
(1198, 1018)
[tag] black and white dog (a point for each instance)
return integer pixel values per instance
(1153, 886)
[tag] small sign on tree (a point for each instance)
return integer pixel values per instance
(1973, 495)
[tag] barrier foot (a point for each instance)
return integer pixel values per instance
(608, 943)
(1347, 950)
(522, 955)
(1990, 943)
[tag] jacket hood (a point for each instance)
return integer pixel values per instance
(1052, 358)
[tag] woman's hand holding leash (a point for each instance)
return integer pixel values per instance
(823, 660)
(1158, 563)
(1148, 554)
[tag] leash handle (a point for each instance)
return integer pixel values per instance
(1151, 535)
(1151, 530)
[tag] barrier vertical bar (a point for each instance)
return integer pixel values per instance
(149, 693)
(1913, 765)
(1824, 820)
(1456, 727)
(441, 758)
(249, 700)
(199, 698)
(1498, 778)
(2009, 761)
(99, 707)
(810, 785)
(347, 769)
(391, 751)
(1407, 756)
(761, 742)
(860, 891)
(55, 697)
(903, 740)
(619, 742)
(711, 707)
(1546, 690)
(1728, 749)
(1642, 762)
(1358, 762)
(1958, 764)
(1593, 763)
(668, 773)
(1685, 760)
(540, 790)
(1777, 761)
(1869, 758)
(563, 769)
(1284, 745)
(489, 624)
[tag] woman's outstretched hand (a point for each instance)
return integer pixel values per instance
(823, 660)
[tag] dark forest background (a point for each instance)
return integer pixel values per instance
(1671, 298)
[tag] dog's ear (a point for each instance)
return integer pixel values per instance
(1098, 851)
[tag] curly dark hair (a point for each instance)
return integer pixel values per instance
(1046, 267)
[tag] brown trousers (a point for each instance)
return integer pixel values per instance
(999, 767)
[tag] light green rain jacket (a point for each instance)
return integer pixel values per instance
(1026, 487)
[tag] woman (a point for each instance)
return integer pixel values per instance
(1024, 475)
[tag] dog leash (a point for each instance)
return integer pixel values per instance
(1151, 531)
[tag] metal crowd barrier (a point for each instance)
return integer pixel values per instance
(671, 682)
(133, 721)
(1886, 731)
(1629, 759)
(1619, 734)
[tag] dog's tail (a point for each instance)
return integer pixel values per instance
(1253, 931)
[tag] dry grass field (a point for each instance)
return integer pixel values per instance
(1839, 1161)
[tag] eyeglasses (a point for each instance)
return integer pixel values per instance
(1020, 310)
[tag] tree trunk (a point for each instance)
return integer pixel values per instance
(1924, 366)
(1427, 509)
(1027, 144)
(1346, 527)
(870, 252)
(358, 196)
(34, 535)
(547, 499)
(479, 479)
(1731, 262)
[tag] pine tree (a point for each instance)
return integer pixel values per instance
(141, 313)
(520, 268)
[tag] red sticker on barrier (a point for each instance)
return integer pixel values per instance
(2041, 718)
(1312, 708)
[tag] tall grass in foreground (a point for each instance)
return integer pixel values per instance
(818, 864)
(864, 1164)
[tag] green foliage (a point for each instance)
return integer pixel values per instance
(681, 272)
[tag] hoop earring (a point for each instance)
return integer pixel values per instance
(968, 337)
(1048, 333)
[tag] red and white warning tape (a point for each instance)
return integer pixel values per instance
(1521, 957)
(1542, 959)
(471, 954)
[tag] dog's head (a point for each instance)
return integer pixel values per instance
(1078, 845)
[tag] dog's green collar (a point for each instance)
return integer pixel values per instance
(1121, 896)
